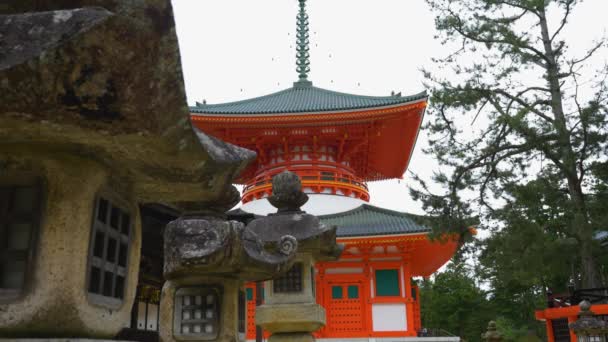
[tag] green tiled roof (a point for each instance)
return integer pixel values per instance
(367, 220)
(303, 98)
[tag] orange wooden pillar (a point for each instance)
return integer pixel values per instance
(549, 327)
(409, 300)
(572, 319)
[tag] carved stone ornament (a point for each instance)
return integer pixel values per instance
(311, 234)
(287, 192)
(208, 245)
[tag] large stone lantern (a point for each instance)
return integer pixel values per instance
(290, 311)
(588, 328)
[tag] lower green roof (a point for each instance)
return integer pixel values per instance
(367, 220)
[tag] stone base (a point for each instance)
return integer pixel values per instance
(286, 318)
(291, 337)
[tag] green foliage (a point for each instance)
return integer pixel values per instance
(534, 163)
(510, 330)
(454, 303)
(518, 123)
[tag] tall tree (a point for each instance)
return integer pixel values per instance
(539, 105)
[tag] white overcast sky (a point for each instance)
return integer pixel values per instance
(237, 49)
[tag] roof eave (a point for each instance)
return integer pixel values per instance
(421, 97)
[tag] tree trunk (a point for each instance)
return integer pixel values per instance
(580, 223)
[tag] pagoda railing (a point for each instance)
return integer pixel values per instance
(316, 178)
(434, 332)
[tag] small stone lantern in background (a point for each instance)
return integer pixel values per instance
(491, 335)
(589, 328)
(290, 311)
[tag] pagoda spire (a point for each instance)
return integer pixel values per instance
(302, 48)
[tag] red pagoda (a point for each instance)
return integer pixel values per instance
(336, 143)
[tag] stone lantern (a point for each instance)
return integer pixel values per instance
(491, 335)
(589, 328)
(290, 311)
(207, 259)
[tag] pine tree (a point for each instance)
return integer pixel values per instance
(541, 106)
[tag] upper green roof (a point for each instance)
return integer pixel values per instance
(303, 98)
(367, 220)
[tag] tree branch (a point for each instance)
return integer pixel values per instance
(564, 19)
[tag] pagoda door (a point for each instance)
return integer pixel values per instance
(345, 306)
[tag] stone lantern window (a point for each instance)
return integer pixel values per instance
(291, 281)
(108, 253)
(196, 313)
(20, 204)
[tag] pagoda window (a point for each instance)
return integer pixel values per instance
(291, 281)
(249, 293)
(196, 313)
(387, 283)
(336, 292)
(20, 211)
(352, 291)
(109, 252)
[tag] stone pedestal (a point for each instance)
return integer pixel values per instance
(286, 318)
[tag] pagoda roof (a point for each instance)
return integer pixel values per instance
(304, 98)
(365, 220)
(369, 220)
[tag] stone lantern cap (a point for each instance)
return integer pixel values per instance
(311, 234)
(587, 324)
(106, 82)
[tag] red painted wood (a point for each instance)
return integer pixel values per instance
(345, 317)
(376, 143)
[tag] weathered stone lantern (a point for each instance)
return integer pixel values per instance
(207, 258)
(94, 124)
(588, 328)
(290, 311)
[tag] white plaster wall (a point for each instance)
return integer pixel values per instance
(389, 317)
(318, 204)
